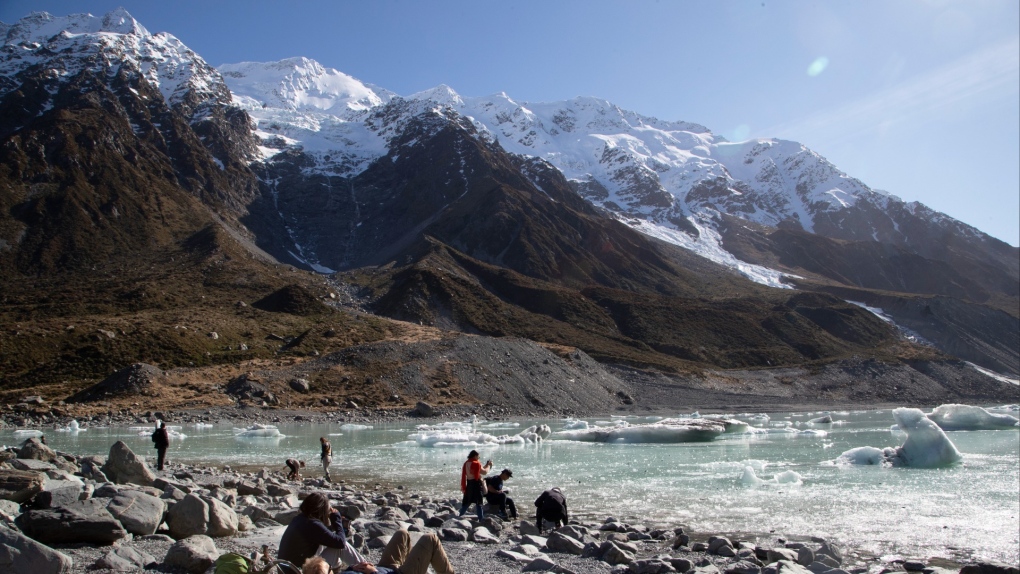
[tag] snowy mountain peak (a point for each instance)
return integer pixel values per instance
(120, 21)
(442, 94)
(40, 27)
(300, 84)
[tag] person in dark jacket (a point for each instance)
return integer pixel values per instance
(326, 456)
(496, 495)
(318, 529)
(551, 506)
(161, 438)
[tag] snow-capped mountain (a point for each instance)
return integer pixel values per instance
(672, 180)
(493, 215)
(62, 47)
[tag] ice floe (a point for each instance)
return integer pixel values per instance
(664, 431)
(787, 477)
(73, 427)
(926, 446)
(258, 431)
(443, 436)
(954, 417)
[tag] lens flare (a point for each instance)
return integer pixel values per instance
(818, 66)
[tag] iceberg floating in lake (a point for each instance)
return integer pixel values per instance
(433, 437)
(927, 445)
(954, 417)
(73, 427)
(27, 433)
(258, 431)
(789, 477)
(354, 427)
(664, 431)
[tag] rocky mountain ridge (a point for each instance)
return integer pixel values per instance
(147, 203)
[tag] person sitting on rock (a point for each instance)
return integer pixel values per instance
(551, 506)
(295, 467)
(400, 558)
(318, 529)
(497, 496)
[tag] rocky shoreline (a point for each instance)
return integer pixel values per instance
(60, 512)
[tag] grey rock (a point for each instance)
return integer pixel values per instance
(785, 567)
(453, 535)
(59, 493)
(244, 524)
(194, 554)
(805, 556)
(717, 543)
(125, 559)
(613, 554)
(541, 564)
(381, 528)
(651, 566)
(423, 409)
(34, 449)
(222, 518)
(188, 517)
(123, 466)
(300, 385)
(831, 551)
(559, 542)
(534, 540)
(20, 485)
(140, 513)
(682, 564)
(529, 528)
(572, 531)
(19, 553)
(286, 516)
(777, 554)
(32, 464)
(79, 521)
(9, 510)
(742, 567)
(515, 556)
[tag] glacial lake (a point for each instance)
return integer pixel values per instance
(967, 510)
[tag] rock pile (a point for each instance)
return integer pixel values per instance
(60, 513)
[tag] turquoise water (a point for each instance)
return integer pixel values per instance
(966, 510)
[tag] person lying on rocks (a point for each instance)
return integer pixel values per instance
(400, 558)
(295, 467)
(551, 506)
(320, 530)
(495, 494)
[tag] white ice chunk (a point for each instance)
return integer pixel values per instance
(955, 417)
(664, 431)
(788, 477)
(927, 445)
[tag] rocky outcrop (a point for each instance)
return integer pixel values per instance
(193, 554)
(139, 513)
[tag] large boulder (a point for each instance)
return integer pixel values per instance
(81, 521)
(222, 519)
(20, 485)
(34, 449)
(559, 542)
(124, 559)
(194, 554)
(59, 493)
(19, 553)
(139, 513)
(123, 466)
(188, 517)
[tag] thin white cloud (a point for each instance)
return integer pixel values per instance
(993, 70)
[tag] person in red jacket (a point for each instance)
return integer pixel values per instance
(471, 483)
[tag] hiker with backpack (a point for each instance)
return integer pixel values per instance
(161, 438)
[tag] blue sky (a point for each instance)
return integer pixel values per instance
(920, 98)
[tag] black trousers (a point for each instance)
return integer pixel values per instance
(556, 518)
(160, 458)
(504, 502)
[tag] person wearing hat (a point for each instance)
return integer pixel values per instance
(471, 483)
(495, 494)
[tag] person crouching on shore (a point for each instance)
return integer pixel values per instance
(295, 467)
(551, 506)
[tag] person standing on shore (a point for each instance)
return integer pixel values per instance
(551, 506)
(161, 438)
(326, 456)
(471, 483)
